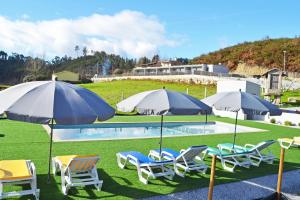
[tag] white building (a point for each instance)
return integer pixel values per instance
(168, 69)
(236, 85)
(219, 69)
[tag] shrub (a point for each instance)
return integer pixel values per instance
(273, 121)
(299, 124)
(288, 123)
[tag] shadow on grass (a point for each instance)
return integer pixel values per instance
(116, 186)
(111, 189)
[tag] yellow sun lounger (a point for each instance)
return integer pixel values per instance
(77, 170)
(19, 172)
(288, 142)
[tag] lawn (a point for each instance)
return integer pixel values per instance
(113, 91)
(30, 141)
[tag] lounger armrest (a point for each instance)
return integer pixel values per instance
(285, 144)
(182, 150)
(167, 154)
(133, 158)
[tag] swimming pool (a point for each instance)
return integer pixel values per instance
(109, 131)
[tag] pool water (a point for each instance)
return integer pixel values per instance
(108, 131)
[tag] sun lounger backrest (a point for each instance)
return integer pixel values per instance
(82, 164)
(262, 145)
(191, 153)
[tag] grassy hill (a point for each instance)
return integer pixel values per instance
(266, 53)
(112, 91)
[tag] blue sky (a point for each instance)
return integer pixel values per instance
(190, 28)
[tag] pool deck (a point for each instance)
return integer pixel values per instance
(255, 188)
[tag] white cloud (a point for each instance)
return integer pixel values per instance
(129, 33)
(25, 16)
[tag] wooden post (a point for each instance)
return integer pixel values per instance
(279, 181)
(212, 178)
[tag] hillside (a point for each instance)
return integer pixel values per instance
(266, 53)
(17, 68)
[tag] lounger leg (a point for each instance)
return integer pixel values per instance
(120, 164)
(34, 188)
(203, 156)
(64, 185)
(177, 171)
(95, 175)
(99, 185)
(1, 190)
(226, 167)
(255, 160)
(141, 178)
(170, 172)
(54, 166)
(203, 171)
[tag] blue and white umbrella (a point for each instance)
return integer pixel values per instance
(52, 102)
(237, 100)
(163, 102)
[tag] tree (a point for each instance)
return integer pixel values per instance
(3, 55)
(143, 60)
(77, 50)
(84, 51)
(155, 58)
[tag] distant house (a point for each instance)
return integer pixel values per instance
(67, 76)
(273, 84)
(169, 68)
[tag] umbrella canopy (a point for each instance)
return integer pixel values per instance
(237, 100)
(41, 101)
(48, 101)
(163, 102)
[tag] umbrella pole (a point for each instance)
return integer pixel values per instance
(161, 129)
(280, 170)
(50, 151)
(212, 178)
(236, 116)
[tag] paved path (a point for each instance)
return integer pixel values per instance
(244, 190)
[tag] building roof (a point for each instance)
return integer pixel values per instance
(271, 71)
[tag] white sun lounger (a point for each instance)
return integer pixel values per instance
(228, 160)
(185, 160)
(288, 142)
(145, 165)
(255, 151)
(77, 171)
(18, 172)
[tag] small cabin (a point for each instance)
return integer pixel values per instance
(272, 84)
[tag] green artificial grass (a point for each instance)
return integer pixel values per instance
(30, 141)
